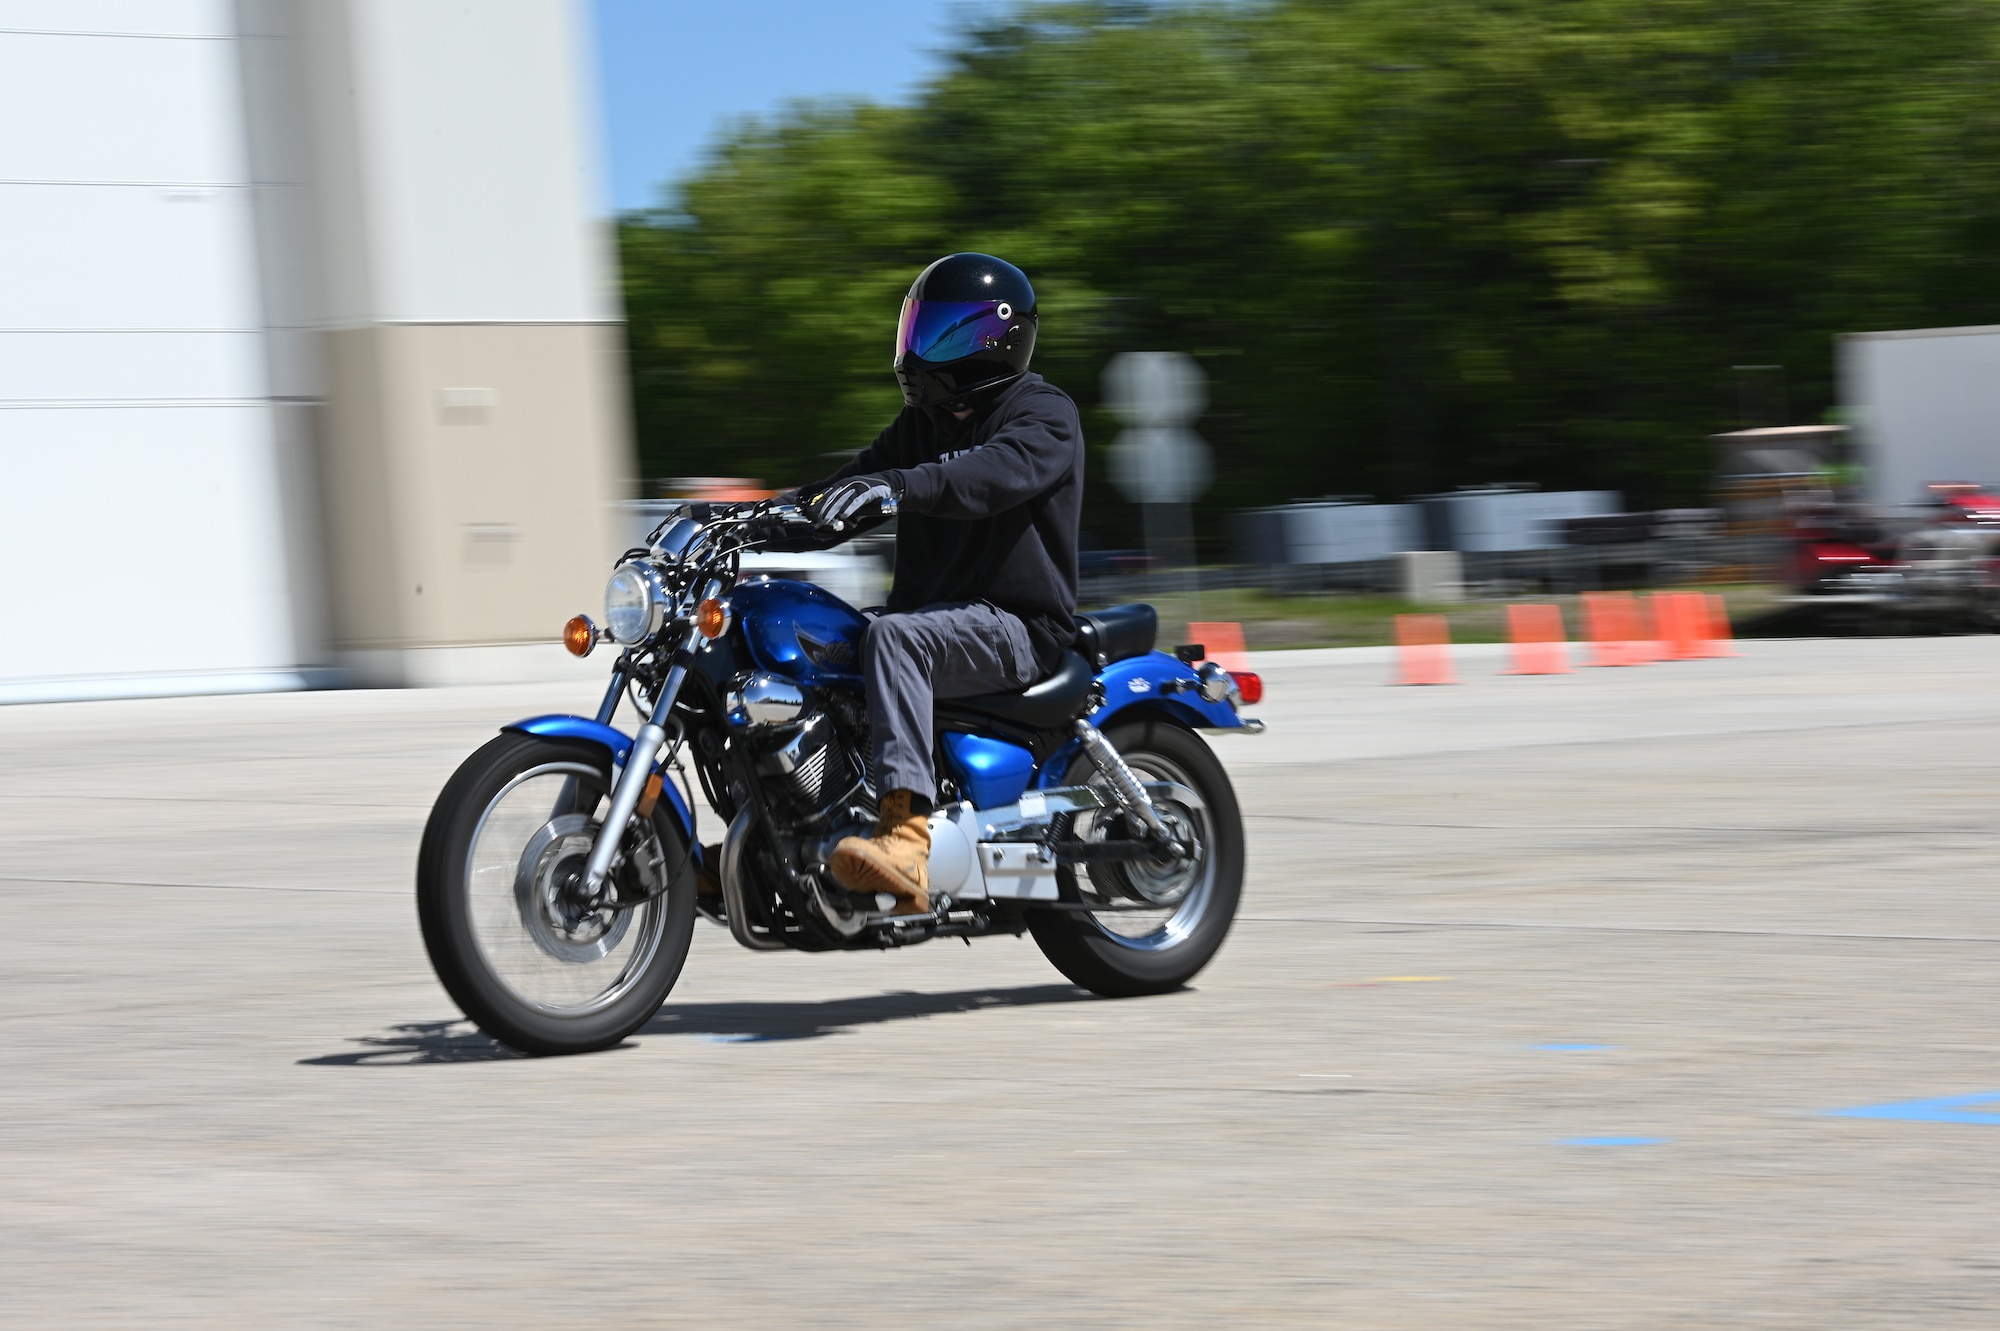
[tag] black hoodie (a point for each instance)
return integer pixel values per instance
(990, 507)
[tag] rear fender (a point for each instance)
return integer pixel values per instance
(1164, 684)
(1152, 686)
(616, 742)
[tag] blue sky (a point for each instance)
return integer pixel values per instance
(672, 73)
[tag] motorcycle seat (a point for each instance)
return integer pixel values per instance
(1049, 704)
(1117, 633)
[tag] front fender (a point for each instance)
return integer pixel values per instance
(613, 739)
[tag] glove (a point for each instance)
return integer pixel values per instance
(833, 510)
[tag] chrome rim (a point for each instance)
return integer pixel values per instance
(523, 873)
(1179, 889)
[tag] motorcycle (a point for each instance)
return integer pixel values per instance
(559, 877)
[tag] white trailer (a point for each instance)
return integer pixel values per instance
(1337, 533)
(1496, 521)
(1925, 407)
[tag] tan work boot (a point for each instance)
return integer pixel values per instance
(896, 859)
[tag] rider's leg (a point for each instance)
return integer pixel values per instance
(908, 661)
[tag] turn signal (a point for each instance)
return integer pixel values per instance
(712, 617)
(580, 635)
(1249, 685)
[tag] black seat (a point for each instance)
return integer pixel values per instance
(1117, 633)
(1049, 705)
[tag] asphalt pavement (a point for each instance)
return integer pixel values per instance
(1654, 997)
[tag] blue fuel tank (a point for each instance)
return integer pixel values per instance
(800, 631)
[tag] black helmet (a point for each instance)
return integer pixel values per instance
(968, 327)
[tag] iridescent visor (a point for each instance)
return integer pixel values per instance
(942, 330)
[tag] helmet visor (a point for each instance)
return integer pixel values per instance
(945, 330)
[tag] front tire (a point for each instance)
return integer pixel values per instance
(1126, 951)
(497, 897)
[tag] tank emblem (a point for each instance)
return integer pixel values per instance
(830, 652)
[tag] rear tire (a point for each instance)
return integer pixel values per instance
(1129, 953)
(545, 983)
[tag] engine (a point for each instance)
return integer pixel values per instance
(806, 767)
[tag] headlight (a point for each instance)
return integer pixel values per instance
(635, 605)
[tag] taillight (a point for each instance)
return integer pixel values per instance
(1249, 685)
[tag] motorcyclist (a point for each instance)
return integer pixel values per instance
(985, 468)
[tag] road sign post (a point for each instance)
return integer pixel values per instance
(1159, 462)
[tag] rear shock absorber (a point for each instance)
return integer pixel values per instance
(1124, 785)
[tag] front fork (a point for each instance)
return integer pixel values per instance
(631, 784)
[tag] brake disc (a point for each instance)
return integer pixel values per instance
(548, 890)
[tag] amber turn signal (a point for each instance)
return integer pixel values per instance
(580, 635)
(651, 795)
(711, 617)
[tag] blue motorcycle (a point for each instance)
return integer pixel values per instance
(561, 871)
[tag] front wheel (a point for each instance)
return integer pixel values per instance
(1160, 921)
(512, 936)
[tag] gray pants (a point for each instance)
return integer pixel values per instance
(955, 650)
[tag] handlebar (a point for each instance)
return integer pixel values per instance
(730, 526)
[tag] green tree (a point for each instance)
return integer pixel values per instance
(1414, 246)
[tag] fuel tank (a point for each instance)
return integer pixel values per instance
(800, 631)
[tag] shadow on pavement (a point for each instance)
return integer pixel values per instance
(749, 1021)
(729, 1023)
(419, 1042)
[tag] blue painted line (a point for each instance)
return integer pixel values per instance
(1615, 1141)
(1576, 1048)
(1943, 1109)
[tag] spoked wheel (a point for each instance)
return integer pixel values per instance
(513, 937)
(1161, 920)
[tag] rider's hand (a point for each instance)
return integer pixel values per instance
(832, 510)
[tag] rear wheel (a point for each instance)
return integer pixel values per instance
(514, 939)
(1161, 920)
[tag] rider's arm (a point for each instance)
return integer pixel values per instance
(1041, 444)
(889, 446)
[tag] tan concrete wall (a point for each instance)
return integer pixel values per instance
(468, 471)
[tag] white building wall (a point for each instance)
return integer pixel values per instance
(459, 189)
(141, 527)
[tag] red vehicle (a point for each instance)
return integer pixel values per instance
(1942, 565)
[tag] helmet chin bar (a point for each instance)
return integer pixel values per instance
(924, 386)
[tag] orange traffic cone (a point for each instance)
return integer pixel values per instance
(1716, 634)
(1423, 650)
(1617, 637)
(1223, 642)
(1677, 621)
(1539, 645)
